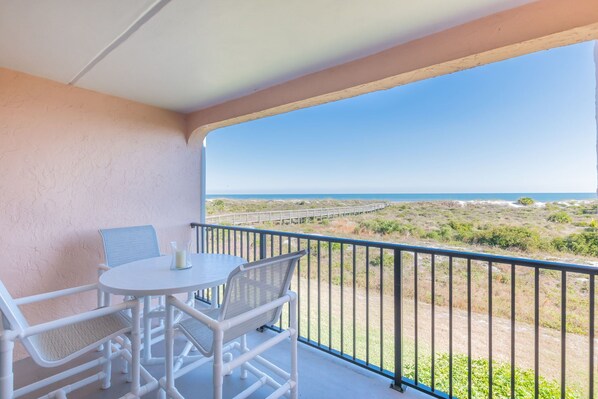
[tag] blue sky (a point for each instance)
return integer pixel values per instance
(520, 125)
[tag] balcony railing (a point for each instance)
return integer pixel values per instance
(446, 322)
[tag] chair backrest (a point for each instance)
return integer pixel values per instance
(128, 244)
(12, 317)
(254, 284)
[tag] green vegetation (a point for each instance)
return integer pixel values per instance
(525, 201)
(385, 227)
(481, 227)
(501, 380)
(388, 260)
(220, 206)
(452, 231)
(508, 237)
(560, 217)
(587, 209)
(526, 231)
(504, 237)
(585, 243)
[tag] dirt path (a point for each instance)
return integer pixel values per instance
(577, 346)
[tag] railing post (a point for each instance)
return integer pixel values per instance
(202, 248)
(397, 383)
(262, 246)
(197, 247)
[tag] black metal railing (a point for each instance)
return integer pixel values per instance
(446, 322)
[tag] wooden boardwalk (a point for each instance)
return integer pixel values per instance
(292, 216)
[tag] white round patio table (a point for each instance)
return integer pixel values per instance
(153, 277)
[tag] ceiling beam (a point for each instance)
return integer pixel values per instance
(120, 39)
(533, 27)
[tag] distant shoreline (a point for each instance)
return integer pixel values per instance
(509, 197)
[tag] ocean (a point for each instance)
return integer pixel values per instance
(539, 197)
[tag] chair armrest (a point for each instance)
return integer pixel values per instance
(229, 323)
(191, 311)
(55, 294)
(66, 321)
(103, 267)
(242, 318)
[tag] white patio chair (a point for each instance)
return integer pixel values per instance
(254, 296)
(128, 244)
(57, 342)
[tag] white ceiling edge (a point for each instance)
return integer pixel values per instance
(186, 55)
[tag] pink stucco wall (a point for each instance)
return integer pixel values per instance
(73, 161)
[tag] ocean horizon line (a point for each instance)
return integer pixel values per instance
(412, 197)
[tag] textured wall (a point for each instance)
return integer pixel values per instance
(73, 161)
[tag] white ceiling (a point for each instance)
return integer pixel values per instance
(190, 54)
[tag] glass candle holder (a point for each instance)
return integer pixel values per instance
(180, 259)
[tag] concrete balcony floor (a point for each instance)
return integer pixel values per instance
(320, 376)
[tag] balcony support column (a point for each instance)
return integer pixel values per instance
(596, 104)
(202, 193)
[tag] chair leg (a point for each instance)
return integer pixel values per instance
(147, 329)
(218, 378)
(244, 349)
(215, 297)
(100, 299)
(99, 292)
(125, 364)
(161, 306)
(135, 350)
(128, 312)
(6, 374)
(228, 357)
(107, 367)
(100, 295)
(169, 348)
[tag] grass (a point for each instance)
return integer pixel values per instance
(560, 217)
(527, 231)
(501, 379)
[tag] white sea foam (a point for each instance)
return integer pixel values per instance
(512, 204)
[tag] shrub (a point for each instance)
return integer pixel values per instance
(588, 209)
(501, 381)
(217, 204)
(454, 230)
(464, 231)
(525, 201)
(560, 217)
(552, 206)
(444, 233)
(509, 237)
(382, 226)
(585, 243)
(389, 261)
(336, 246)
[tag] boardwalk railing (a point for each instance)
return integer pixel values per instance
(293, 216)
(449, 323)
